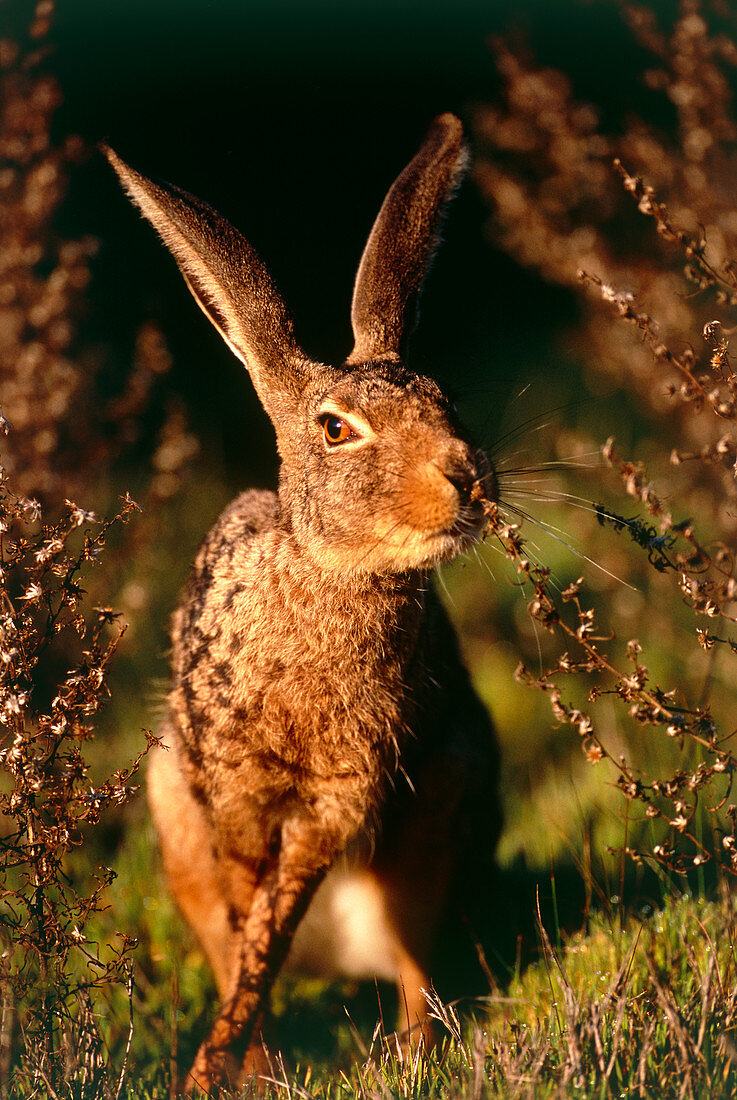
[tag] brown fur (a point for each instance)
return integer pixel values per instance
(322, 723)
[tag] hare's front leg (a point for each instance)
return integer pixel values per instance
(187, 845)
(279, 889)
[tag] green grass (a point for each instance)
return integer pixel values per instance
(646, 1009)
(606, 1001)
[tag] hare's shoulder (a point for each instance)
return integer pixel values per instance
(248, 515)
(229, 543)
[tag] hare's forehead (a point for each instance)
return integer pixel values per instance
(380, 399)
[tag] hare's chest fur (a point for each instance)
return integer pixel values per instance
(289, 682)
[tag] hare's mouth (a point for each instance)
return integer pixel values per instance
(401, 546)
(455, 540)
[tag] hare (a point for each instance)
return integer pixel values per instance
(325, 743)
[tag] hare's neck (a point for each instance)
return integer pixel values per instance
(350, 610)
(273, 653)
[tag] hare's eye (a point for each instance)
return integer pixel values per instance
(336, 430)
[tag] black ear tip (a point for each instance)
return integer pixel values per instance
(129, 178)
(447, 128)
(114, 160)
(449, 122)
(108, 152)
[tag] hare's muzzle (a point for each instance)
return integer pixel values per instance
(450, 502)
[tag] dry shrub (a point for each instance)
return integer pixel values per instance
(49, 801)
(58, 432)
(55, 386)
(557, 206)
(584, 207)
(75, 409)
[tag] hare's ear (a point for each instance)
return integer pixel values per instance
(402, 243)
(230, 285)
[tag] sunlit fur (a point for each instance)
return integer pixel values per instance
(324, 737)
(398, 497)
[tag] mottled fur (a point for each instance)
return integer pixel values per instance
(321, 719)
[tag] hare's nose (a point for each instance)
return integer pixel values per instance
(460, 472)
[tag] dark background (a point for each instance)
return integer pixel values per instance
(292, 118)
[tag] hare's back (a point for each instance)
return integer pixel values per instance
(224, 566)
(229, 543)
(249, 515)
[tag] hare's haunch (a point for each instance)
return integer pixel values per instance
(325, 745)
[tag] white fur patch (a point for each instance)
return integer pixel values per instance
(345, 932)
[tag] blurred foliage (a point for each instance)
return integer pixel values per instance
(101, 401)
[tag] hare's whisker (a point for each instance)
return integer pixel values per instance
(563, 464)
(556, 533)
(492, 411)
(476, 550)
(533, 423)
(529, 489)
(521, 393)
(442, 583)
(569, 499)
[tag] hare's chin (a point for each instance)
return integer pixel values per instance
(447, 545)
(418, 550)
